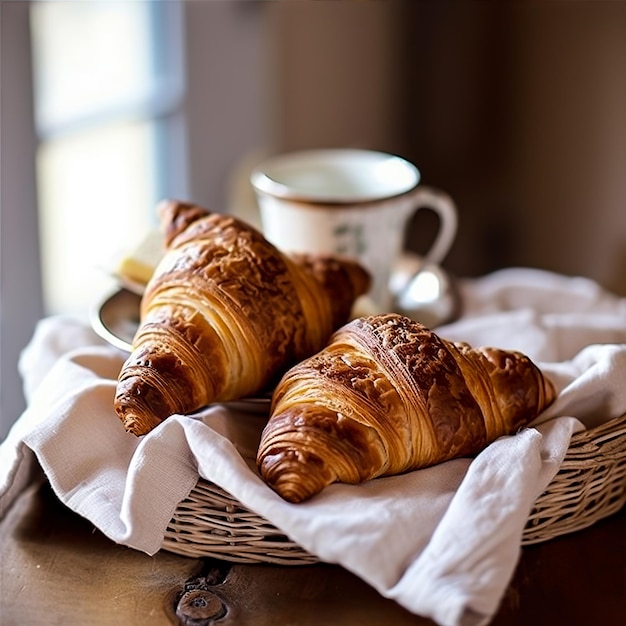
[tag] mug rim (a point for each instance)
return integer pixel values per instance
(264, 178)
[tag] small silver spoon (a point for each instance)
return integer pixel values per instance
(425, 292)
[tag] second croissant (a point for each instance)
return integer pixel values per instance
(386, 396)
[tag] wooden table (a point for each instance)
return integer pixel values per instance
(58, 569)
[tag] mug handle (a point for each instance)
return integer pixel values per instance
(442, 204)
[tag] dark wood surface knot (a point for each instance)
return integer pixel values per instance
(199, 604)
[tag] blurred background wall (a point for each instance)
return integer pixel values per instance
(517, 109)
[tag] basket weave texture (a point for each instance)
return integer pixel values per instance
(590, 485)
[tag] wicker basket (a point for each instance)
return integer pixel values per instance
(590, 485)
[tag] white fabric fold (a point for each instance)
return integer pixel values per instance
(443, 541)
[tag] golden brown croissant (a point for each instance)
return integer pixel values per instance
(225, 314)
(387, 395)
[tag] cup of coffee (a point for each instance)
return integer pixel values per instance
(351, 202)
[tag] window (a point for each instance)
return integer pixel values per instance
(108, 90)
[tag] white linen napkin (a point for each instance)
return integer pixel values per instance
(443, 541)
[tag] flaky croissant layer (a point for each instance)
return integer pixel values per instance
(386, 396)
(224, 314)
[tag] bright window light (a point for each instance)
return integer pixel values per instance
(96, 190)
(89, 58)
(105, 98)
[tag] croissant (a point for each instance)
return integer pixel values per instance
(387, 395)
(225, 314)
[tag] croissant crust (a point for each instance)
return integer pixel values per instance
(388, 395)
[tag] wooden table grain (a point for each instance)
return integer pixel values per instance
(56, 568)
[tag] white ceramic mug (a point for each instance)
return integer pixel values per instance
(351, 202)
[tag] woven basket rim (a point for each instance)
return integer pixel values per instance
(590, 485)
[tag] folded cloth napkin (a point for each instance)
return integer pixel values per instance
(442, 541)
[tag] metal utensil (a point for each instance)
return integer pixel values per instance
(425, 292)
